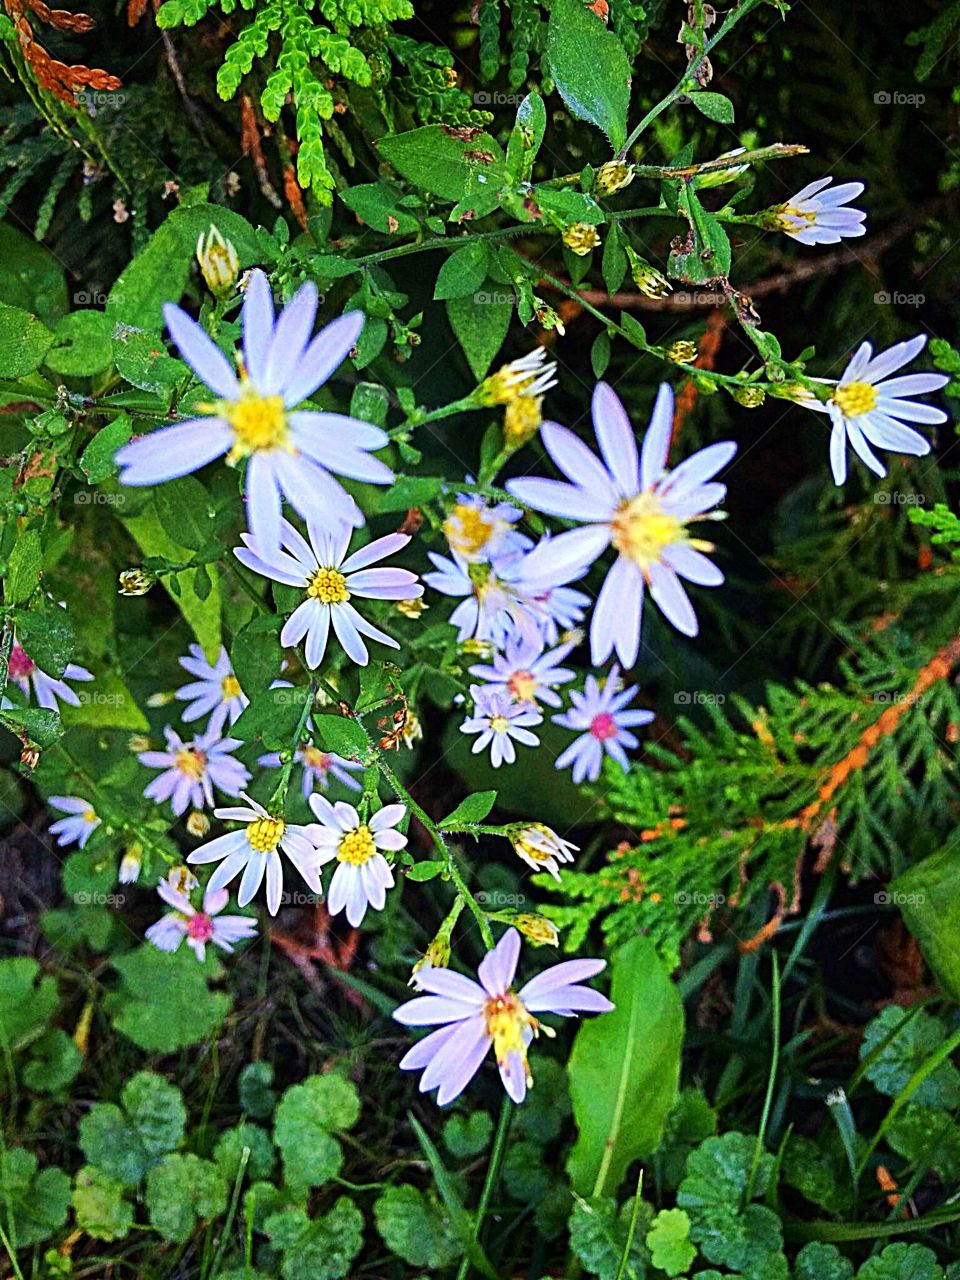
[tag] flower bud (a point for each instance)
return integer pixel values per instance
(750, 396)
(580, 238)
(537, 929)
(521, 420)
(135, 582)
(682, 352)
(436, 956)
(613, 176)
(411, 608)
(651, 282)
(219, 263)
(198, 824)
(130, 864)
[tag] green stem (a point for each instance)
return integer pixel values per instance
(771, 1081)
(493, 1173)
(279, 797)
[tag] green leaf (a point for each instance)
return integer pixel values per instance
(598, 1237)
(96, 461)
(469, 1134)
(928, 897)
(321, 1248)
(23, 568)
(463, 272)
(928, 1138)
(613, 264)
(307, 1116)
(624, 1069)
(902, 1262)
(142, 359)
(24, 341)
(480, 323)
(341, 735)
(919, 1036)
(714, 106)
(441, 164)
(182, 1190)
(46, 633)
(228, 1153)
(32, 1205)
(817, 1261)
(26, 1005)
(186, 512)
(473, 809)
(256, 654)
(164, 1003)
(406, 492)
(414, 1228)
(82, 345)
(256, 1096)
(704, 254)
(461, 1220)
(31, 274)
(377, 204)
(124, 1142)
(590, 68)
(271, 718)
(102, 1212)
(41, 727)
(53, 1064)
(669, 1242)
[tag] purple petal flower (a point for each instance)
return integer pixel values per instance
(599, 713)
(290, 453)
(214, 692)
(633, 504)
(473, 1016)
(816, 214)
(80, 823)
(191, 771)
(500, 722)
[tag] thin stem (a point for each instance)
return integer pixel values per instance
(493, 1173)
(771, 1081)
(278, 799)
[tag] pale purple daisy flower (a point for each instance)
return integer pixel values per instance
(191, 771)
(329, 578)
(637, 506)
(215, 691)
(318, 768)
(473, 1016)
(599, 713)
(477, 530)
(80, 823)
(363, 874)
(500, 722)
(867, 407)
(48, 691)
(492, 605)
(540, 847)
(254, 852)
(558, 611)
(525, 673)
(291, 452)
(198, 927)
(816, 215)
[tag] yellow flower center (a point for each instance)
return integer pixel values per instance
(506, 1019)
(329, 586)
(499, 724)
(314, 758)
(230, 688)
(524, 842)
(356, 846)
(521, 419)
(265, 834)
(642, 529)
(523, 685)
(787, 211)
(88, 815)
(192, 763)
(467, 528)
(855, 399)
(258, 422)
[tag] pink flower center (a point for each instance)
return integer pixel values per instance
(200, 927)
(603, 726)
(20, 665)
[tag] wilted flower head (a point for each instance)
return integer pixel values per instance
(540, 847)
(530, 375)
(537, 929)
(613, 176)
(651, 282)
(135, 582)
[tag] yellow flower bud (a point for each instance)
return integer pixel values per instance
(130, 864)
(135, 582)
(651, 282)
(198, 824)
(538, 929)
(613, 176)
(436, 956)
(521, 420)
(580, 238)
(411, 608)
(219, 263)
(749, 396)
(682, 352)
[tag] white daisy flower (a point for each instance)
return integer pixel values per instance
(198, 927)
(329, 578)
(363, 874)
(816, 214)
(192, 769)
(867, 407)
(254, 852)
(215, 690)
(540, 847)
(500, 722)
(48, 691)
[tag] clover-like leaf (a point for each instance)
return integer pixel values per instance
(307, 1117)
(416, 1228)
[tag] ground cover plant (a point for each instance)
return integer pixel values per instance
(480, 640)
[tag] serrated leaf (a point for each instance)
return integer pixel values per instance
(182, 1190)
(480, 323)
(320, 1248)
(125, 1141)
(24, 341)
(439, 163)
(590, 68)
(414, 1228)
(715, 106)
(98, 1201)
(164, 1003)
(669, 1242)
(23, 567)
(307, 1116)
(917, 1036)
(96, 461)
(33, 1205)
(473, 808)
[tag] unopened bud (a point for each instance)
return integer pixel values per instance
(751, 397)
(135, 582)
(580, 238)
(682, 352)
(521, 420)
(651, 282)
(538, 929)
(219, 263)
(198, 824)
(613, 176)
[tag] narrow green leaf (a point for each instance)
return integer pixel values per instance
(590, 68)
(473, 809)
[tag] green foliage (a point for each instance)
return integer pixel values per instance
(321, 1248)
(307, 1117)
(897, 1044)
(125, 1141)
(180, 1190)
(99, 1204)
(33, 1202)
(164, 1001)
(415, 1228)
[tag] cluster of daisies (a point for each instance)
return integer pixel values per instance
(518, 613)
